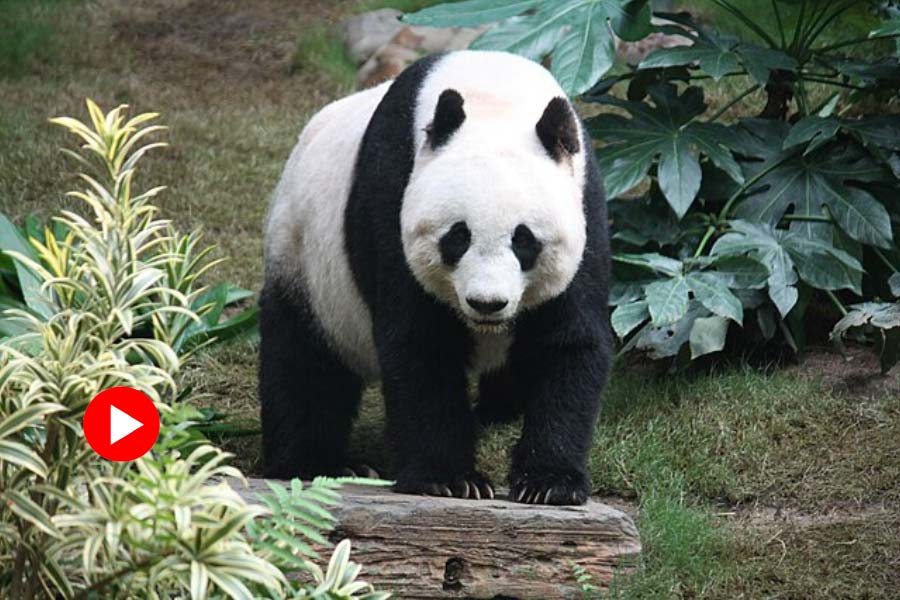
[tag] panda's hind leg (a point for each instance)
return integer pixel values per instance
(308, 396)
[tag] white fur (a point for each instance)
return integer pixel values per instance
(305, 226)
(493, 174)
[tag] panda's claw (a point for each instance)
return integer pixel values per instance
(487, 491)
(550, 488)
(547, 496)
(361, 470)
(460, 488)
(437, 489)
(470, 485)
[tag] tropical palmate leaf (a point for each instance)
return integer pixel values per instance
(685, 302)
(791, 257)
(667, 129)
(883, 316)
(819, 186)
(717, 55)
(576, 34)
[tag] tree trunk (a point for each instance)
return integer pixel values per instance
(426, 547)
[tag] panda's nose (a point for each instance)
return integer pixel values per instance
(487, 307)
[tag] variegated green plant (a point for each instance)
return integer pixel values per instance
(112, 299)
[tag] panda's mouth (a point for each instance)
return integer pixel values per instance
(488, 325)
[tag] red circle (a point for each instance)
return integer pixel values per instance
(121, 424)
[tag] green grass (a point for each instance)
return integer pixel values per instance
(322, 49)
(29, 34)
(685, 552)
(689, 448)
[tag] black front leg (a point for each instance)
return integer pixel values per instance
(430, 426)
(561, 384)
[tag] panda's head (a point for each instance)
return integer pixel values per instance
(492, 219)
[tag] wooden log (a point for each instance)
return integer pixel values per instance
(426, 547)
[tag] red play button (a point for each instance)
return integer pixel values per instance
(121, 424)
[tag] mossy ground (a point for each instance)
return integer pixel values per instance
(745, 483)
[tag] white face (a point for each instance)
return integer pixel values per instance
(492, 233)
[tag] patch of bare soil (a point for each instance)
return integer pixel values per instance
(856, 373)
(224, 41)
(770, 517)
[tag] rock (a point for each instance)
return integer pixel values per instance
(426, 547)
(365, 33)
(632, 53)
(409, 44)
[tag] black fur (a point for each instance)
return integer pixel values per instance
(556, 369)
(448, 117)
(309, 397)
(454, 243)
(526, 247)
(421, 345)
(560, 362)
(558, 365)
(557, 129)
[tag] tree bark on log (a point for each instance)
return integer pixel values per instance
(427, 547)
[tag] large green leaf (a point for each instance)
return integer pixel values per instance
(881, 315)
(662, 341)
(12, 240)
(790, 257)
(472, 12)
(708, 335)
(652, 261)
(575, 33)
(745, 272)
(584, 54)
(762, 242)
(628, 316)
(666, 130)
(667, 300)
(711, 289)
(810, 184)
(718, 55)
(644, 220)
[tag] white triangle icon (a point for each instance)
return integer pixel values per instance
(121, 424)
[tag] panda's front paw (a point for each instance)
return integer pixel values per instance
(548, 487)
(472, 485)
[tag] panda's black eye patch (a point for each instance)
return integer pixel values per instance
(526, 247)
(454, 243)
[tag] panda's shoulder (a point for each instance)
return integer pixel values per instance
(353, 111)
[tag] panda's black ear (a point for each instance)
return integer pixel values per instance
(557, 130)
(448, 117)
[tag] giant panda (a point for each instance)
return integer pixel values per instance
(447, 225)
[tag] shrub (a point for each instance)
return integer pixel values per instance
(740, 223)
(109, 300)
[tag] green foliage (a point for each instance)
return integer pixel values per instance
(298, 518)
(577, 33)
(723, 224)
(73, 525)
(322, 49)
(884, 319)
(401, 5)
(186, 264)
(27, 34)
